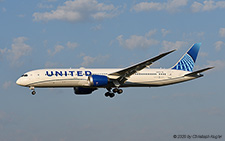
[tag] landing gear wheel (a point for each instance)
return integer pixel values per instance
(120, 91)
(111, 95)
(115, 90)
(33, 92)
(107, 94)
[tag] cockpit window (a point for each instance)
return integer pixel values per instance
(24, 75)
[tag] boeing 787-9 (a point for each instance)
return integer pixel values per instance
(85, 81)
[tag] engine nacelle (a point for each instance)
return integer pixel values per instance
(98, 80)
(83, 91)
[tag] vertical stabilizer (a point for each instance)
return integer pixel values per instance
(186, 63)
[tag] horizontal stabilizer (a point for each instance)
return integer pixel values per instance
(197, 72)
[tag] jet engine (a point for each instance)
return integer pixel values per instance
(83, 91)
(98, 80)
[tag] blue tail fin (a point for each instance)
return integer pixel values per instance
(186, 63)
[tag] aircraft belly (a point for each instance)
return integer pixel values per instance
(158, 82)
(60, 83)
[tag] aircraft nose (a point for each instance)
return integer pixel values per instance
(19, 82)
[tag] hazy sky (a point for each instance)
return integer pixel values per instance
(107, 34)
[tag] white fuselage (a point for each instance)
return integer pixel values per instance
(79, 77)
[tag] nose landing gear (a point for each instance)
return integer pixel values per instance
(33, 91)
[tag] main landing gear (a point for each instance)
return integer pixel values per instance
(112, 94)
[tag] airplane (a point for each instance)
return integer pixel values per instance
(85, 81)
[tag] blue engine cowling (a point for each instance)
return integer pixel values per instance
(98, 80)
(83, 91)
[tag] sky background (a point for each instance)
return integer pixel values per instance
(110, 34)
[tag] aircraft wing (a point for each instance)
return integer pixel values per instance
(124, 74)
